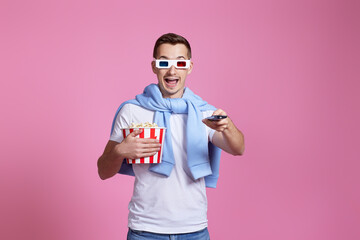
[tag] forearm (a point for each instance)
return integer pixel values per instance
(234, 139)
(109, 164)
(230, 139)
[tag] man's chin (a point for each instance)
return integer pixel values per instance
(171, 92)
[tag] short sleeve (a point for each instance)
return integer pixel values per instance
(210, 132)
(122, 120)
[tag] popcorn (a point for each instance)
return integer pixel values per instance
(142, 125)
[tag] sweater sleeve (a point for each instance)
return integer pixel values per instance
(121, 120)
(210, 132)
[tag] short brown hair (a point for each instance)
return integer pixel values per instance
(173, 39)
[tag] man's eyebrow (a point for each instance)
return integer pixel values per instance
(179, 57)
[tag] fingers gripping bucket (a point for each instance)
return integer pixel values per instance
(150, 132)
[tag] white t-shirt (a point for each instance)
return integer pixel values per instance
(160, 204)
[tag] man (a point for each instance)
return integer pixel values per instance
(170, 198)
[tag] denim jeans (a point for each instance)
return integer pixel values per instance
(140, 235)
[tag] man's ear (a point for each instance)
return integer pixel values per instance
(191, 67)
(154, 68)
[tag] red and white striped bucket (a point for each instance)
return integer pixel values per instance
(148, 132)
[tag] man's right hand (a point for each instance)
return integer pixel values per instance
(131, 147)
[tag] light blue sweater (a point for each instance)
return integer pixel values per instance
(203, 157)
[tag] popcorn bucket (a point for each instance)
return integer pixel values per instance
(148, 132)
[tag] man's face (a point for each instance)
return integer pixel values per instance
(171, 80)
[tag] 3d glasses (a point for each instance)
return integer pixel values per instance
(181, 64)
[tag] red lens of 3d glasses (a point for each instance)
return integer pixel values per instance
(181, 64)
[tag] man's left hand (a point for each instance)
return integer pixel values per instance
(227, 136)
(219, 125)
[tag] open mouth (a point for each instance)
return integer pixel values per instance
(171, 82)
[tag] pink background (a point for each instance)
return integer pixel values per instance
(287, 72)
